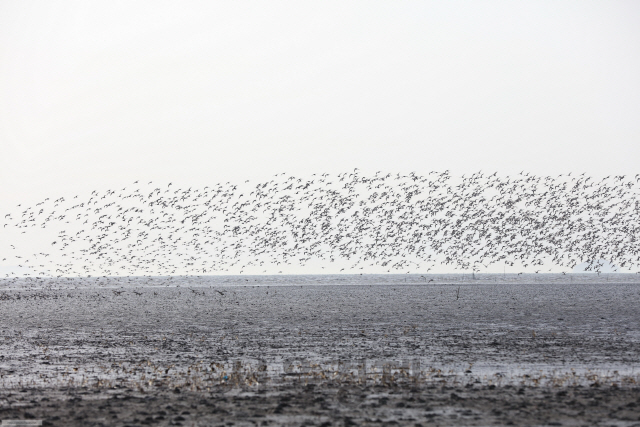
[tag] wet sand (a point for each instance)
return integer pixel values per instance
(431, 354)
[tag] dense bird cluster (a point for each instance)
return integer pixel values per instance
(399, 222)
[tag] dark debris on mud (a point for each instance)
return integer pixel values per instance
(298, 404)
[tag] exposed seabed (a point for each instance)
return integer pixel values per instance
(457, 353)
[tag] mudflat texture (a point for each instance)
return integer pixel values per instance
(361, 354)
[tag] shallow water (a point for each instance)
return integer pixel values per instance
(358, 328)
(603, 279)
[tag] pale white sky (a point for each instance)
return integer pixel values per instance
(97, 94)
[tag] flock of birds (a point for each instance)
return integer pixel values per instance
(398, 222)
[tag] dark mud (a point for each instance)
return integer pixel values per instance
(470, 354)
(329, 404)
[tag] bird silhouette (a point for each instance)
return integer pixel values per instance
(391, 221)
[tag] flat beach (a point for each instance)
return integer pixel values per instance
(253, 351)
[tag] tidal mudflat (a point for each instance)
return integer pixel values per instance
(254, 352)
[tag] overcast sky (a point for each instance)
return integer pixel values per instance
(99, 94)
(96, 95)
